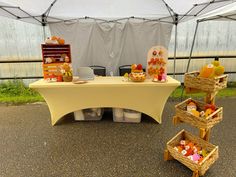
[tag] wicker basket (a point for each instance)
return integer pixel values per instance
(137, 79)
(67, 78)
(191, 80)
(203, 166)
(200, 122)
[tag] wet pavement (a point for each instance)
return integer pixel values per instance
(31, 147)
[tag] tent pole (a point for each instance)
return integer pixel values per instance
(44, 24)
(44, 33)
(175, 45)
(190, 55)
(191, 50)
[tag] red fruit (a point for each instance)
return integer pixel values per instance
(162, 70)
(152, 60)
(59, 78)
(159, 77)
(139, 67)
(155, 61)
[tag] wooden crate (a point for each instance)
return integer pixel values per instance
(55, 51)
(199, 122)
(198, 169)
(192, 81)
(51, 69)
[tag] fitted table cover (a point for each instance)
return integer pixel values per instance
(147, 97)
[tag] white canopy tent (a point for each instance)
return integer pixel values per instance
(224, 13)
(46, 11)
(159, 15)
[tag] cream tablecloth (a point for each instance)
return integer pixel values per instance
(65, 97)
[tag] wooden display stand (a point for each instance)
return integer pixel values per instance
(194, 84)
(54, 56)
(211, 86)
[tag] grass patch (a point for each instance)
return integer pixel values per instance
(15, 92)
(227, 92)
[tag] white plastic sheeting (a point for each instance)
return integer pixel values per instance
(227, 12)
(112, 45)
(16, 35)
(20, 41)
(213, 38)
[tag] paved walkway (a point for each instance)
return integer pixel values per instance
(30, 147)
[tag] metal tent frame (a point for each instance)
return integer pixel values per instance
(173, 18)
(231, 17)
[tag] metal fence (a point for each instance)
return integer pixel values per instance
(170, 58)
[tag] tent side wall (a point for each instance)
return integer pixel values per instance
(112, 44)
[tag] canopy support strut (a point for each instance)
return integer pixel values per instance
(175, 47)
(49, 8)
(190, 55)
(191, 50)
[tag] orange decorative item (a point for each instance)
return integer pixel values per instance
(207, 71)
(54, 38)
(67, 72)
(61, 41)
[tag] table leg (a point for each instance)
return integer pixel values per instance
(167, 155)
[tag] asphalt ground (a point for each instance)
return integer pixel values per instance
(31, 147)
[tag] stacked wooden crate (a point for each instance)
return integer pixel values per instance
(194, 84)
(53, 57)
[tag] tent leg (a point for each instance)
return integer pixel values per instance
(191, 51)
(175, 49)
(44, 33)
(190, 55)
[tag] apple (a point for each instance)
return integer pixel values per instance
(139, 67)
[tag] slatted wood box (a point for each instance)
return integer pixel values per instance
(55, 51)
(197, 168)
(192, 81)
(199, 122)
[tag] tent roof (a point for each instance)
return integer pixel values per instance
(225, 13)
(57, 10)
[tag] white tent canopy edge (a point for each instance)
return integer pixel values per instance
(45, 11)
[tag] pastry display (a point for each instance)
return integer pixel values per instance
(156, 64)
(137, 74)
